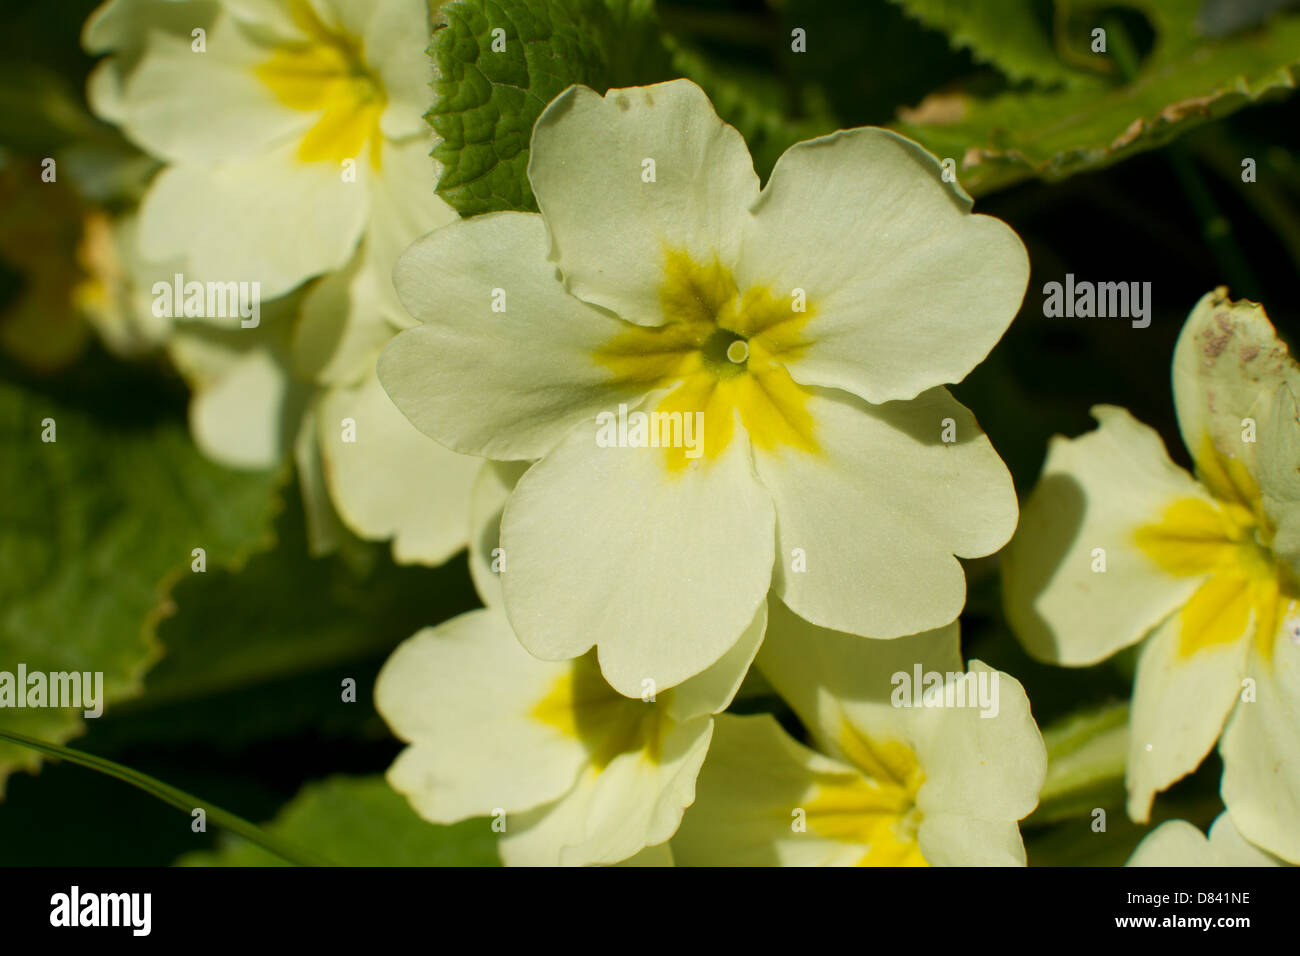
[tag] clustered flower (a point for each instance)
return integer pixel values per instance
(696, 436)
(1118, 545)
(295, 160)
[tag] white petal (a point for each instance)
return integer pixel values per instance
(1261, 751)
(1095, 492)
(119, 25)
(460, 694)
(1227, 355)
(984, 768)
(964, 839)
(268, 219)
(636, 802)
(833, 680)
(502, 384)
(880, 511)
(982, 760)
(749, 796)
(396, 38)
(711, 691)
(404, 206)
(609, 226)
(209, 107)
(663, 571)
(907, 290)
(392, 481)
(1178, 843)
(248, 419)
(340, 330)
(1179, 706)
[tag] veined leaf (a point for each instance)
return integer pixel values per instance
(1188, 79)
(95, 527)
(499, 62)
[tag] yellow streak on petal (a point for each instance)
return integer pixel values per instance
(704, 313)
(774, 410)
(882, 759)
(653, 357)
(1277, 600)
(327, 74)
(693, 293)
(1229, 480)
(1267, 601)
(581, 705)
(715, 399)
(1192, 537)
(1218, 613)
(876, 809)
(771, 324)
(1244, 583)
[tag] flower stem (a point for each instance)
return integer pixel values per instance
(177, 798)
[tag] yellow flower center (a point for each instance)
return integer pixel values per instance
(583, 706)
(720, 351)
(875, 808)
(327, 74)
(1229, 540)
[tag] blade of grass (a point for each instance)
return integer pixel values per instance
(177, 798)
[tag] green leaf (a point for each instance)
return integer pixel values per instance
(1004, 33)
(487, 100)
(1188, 79)
(1086, 756)
(285, 614)
(261, 652)
(95, 528)
(361, 821)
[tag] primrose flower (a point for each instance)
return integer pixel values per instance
(918, 760)
(1118, 544)
(296, 164)
(581, 773)
(725, 390)
(1178, 843)
(290, 129)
